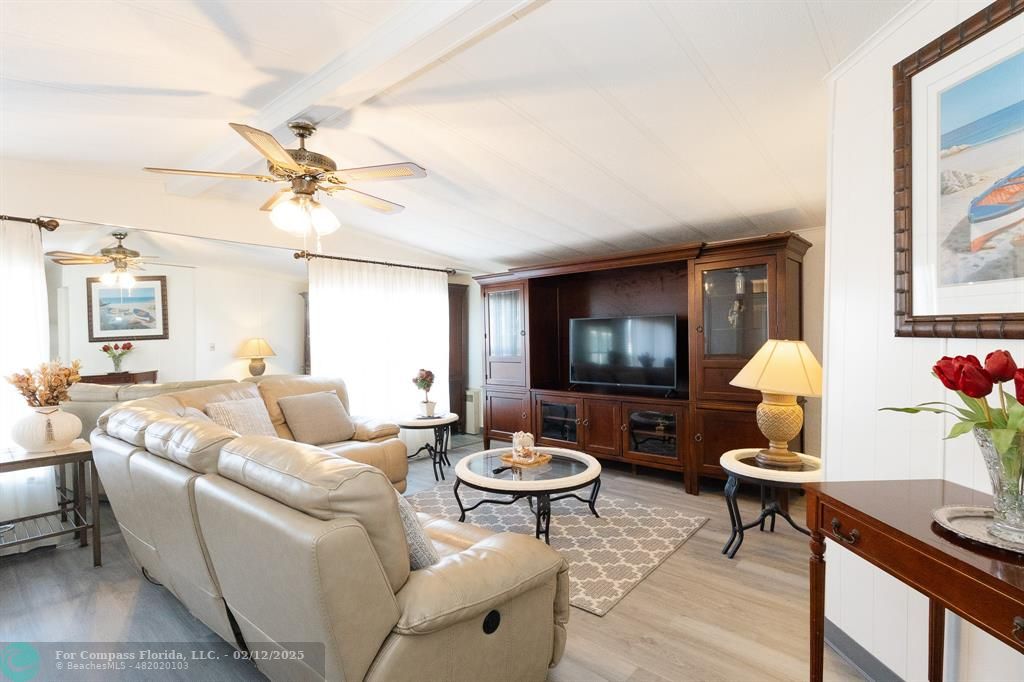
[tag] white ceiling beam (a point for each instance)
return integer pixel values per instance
(406, 44)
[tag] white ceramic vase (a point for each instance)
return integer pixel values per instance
(45, 429)
(427, 408)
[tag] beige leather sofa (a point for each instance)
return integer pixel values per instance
(268, 541)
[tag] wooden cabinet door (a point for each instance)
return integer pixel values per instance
(602, 427)
(505, 337)
(654, 432)
(734, 313)
(718, 431)
(558, 420)
(505, 413)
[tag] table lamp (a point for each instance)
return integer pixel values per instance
(256, 349)
(781, 370)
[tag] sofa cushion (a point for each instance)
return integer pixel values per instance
(317, 418)
(196, 414)
(370, 428)
(324, 486)
(274, 389)
(247, 417)
(189, 442)
(86, 392)
(129, 423)
(421, 550)
(135, 391)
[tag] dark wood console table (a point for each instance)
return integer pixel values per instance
(889, 523)
(148, 377)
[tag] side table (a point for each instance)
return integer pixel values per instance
(438, 451)
(741, 465)
(56, 522)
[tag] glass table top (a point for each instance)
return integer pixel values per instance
(491, 466)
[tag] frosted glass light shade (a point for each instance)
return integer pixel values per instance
(117, 278)
(256, 348)
(302, 213)
(782, 367)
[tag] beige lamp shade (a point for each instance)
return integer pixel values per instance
(782, 367)
(256, 348)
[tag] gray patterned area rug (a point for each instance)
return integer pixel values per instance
(607, 556)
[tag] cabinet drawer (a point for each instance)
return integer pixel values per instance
(982, 604)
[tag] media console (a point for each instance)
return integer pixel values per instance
(728, 298)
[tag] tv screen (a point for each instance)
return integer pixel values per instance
(623, 351)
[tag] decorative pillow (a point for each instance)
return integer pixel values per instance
(317, 418)
(421, 550)
(195, 413)
(247, 417)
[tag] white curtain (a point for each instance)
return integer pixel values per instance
(375, 326)
(24, 342)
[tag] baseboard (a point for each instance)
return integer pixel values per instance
(857, 656)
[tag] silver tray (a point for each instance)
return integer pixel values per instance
(972, 523)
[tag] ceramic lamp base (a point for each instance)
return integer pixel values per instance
(257, 367)
(780, 419)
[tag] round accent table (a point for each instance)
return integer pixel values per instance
(555, 480)
(438, 451)
(742, 466)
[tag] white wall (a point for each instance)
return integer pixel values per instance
(814, 323)
(206, 305)
(867, 367)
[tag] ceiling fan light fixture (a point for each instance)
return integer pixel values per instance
(117, 278)
(324, 221)
(292, 215)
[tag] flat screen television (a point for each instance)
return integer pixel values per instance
(623, 351)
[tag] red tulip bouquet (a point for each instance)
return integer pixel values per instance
(998, 428)
(117, 352)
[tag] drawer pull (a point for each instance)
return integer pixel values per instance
(698, 437)
(622, 427)
(848, 539)
(1018, 629)
(586, 422)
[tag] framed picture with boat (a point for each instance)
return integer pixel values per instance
(135, 314)
(958, 131)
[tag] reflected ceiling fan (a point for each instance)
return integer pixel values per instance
(294, 208)
(123, 258)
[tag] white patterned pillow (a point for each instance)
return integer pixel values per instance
(248, 417)
(421, 550)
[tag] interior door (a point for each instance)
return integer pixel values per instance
(602, 427)
(505, 334)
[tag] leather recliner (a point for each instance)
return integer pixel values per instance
(292, 543)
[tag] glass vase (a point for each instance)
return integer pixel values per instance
(1007, 474)
(117, 363)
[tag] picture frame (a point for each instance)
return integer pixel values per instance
(136, 314)
(955, 136)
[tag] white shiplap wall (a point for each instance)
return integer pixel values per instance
(867, 367)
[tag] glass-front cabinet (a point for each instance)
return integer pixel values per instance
(653, 432)
(505, 334)
(733, 320)
(558, 420)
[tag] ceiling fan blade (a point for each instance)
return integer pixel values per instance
(269, 147)
(213, 174)
(71, 254)
(391, 171)
(278, 196)
(367, 200)
(80, 261)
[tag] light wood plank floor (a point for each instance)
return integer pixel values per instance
(699, 616)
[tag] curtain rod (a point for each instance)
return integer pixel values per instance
(307, 255)
(48, 224)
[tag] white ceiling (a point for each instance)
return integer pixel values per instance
(549, 129)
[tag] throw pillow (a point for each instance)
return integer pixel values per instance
(247, 417)
(317, 418)
(422, 552)
(197, 414)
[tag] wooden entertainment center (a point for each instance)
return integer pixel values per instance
(728, 298)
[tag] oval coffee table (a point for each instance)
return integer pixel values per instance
(567, 471)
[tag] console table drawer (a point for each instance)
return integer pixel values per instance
(983, 605)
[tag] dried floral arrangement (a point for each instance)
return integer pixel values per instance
(47, 386)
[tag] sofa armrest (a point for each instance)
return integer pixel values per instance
(481, 577)
(371, 428)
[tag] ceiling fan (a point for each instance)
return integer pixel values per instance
(123, 258)
(293, 208)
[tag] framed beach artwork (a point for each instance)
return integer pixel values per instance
(958, 129)
(135, 314)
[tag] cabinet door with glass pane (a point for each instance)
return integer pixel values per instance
(653, 432)
(732, 319)
(505, 334)
(558, 420)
